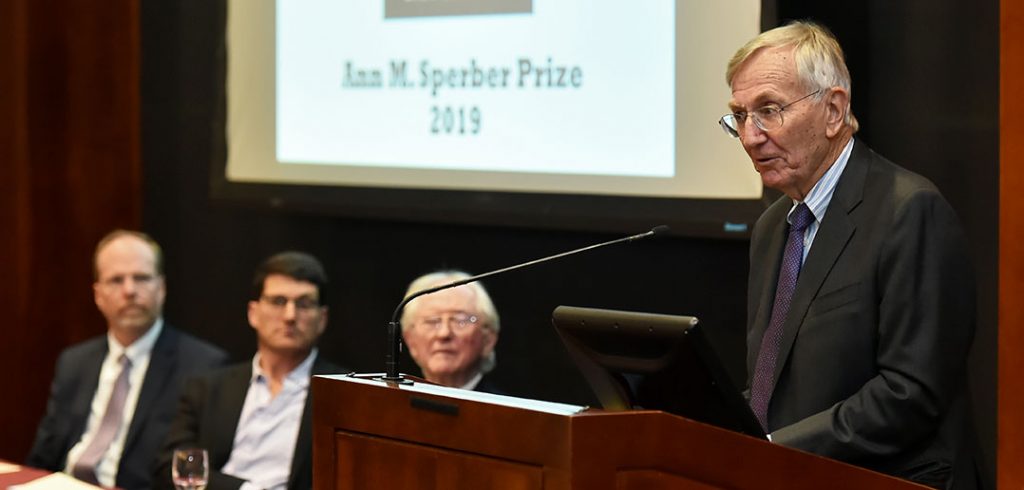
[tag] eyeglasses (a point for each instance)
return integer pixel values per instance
(766, 118)
(302, 303)
(119, 281)
(459, 322)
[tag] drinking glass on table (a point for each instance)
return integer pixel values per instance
(190, 469)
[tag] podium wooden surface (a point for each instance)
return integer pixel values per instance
(372, 435)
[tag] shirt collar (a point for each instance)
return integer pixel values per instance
(821, 194)
(141, 347)
(473, 381)
(300, 374)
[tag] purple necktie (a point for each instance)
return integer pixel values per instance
(85, 468)
(789, 270)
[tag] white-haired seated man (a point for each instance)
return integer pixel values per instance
(451, 334)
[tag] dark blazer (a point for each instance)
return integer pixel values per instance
(175, 356)
(872, 365)
(208, 414)
(486, 385)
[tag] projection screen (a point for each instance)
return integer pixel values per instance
(565, 100)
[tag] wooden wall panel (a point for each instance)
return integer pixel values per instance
(15, 249)
(13, 202)
(69, 142)
(1011, 245)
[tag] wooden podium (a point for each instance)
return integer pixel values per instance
(372, 435)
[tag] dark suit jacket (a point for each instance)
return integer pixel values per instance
(208, 414)
(872, 365)
(176, 356)
(486, 385)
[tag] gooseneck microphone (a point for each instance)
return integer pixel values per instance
(394, 337)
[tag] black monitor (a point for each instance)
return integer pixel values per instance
(651, 361)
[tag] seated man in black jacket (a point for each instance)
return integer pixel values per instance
(255, 418)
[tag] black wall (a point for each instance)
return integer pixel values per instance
(925, 88)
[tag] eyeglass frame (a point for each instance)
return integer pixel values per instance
(140, 280)
(758, 120)
(301, 303)
(452, 321)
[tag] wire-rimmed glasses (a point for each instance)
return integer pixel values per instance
(458, 322)
(766, 117)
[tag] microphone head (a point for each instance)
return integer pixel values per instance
(660, 230)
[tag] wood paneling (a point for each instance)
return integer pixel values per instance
(69, 142)
(1010, 444)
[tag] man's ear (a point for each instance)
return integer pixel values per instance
(322, 323)
(490, 340)
(837, 104)
(252, 314)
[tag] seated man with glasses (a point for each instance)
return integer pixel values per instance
(254, 418)
(113, 396)
(451, 334)
(861, 300)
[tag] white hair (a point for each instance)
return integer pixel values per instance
(820, 64)
(484, 306)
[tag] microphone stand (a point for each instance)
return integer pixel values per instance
(394, 327)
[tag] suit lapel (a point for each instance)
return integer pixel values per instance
(228, 413)
(777, 236)
(301, 459)
(88, 381)
(160, 371)
(833, 235)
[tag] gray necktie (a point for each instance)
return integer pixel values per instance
(85, 468)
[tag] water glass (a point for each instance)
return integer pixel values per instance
(190, 469)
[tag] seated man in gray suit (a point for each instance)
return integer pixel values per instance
(451, 334)
(112, 396)
(254, 418)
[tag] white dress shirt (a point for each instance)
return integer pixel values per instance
(475, 380)
(821, 196)
(139, 354)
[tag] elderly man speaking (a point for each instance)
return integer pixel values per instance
(861, 297)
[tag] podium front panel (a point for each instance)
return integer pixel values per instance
(369, 435)
(413, 466)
